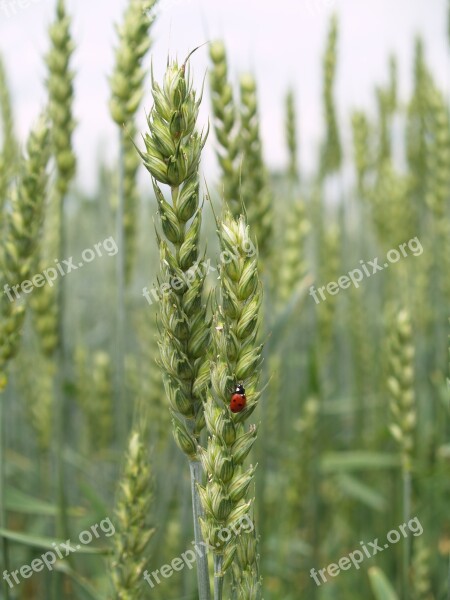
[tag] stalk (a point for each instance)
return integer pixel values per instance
(196, 472)
(60, 88)
(407, 542)
(120, 356)
(3, 523)
(448, 582)
(218, 577)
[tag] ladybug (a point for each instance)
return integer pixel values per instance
(238, 399)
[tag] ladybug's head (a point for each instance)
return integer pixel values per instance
(239, 389)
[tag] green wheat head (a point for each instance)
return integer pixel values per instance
(9, 151)
(256, 192)
(291, 135)
(133, 533)
(60, 90)
(225, 126)
(237, 357)
(172, 156)
(127, 91)
(401, 387)
(332, 150)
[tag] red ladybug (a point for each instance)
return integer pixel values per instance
(238, 399)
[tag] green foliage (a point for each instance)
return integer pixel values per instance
(348, 395)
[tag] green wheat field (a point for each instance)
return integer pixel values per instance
(227, 387)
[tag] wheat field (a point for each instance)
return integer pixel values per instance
(225, 383)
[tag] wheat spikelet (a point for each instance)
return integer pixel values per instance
(401, 387)
(9, 152)
(127, 91)
(331, 152)
(36, 381)
(172, 156)
(247, 581)
(133, 532)
(256, 191)
(60, 89)
(329, 270)
(388, 200)
(128, 77)
(44, 299)
(420, 572)
(22, 234)
(361, 148)
(291, 135)
(236, 358)
(27, 205)
(293, 267)
(225, 126)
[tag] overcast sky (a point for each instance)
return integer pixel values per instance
(282, 42)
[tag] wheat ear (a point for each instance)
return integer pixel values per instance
(133, 531)
(172, 156)
(237, 357)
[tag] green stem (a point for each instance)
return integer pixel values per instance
(204, 591)
(2, 499)
(448, 591)
(120, 348)
(62, 527)
(218, 577)
(406, 517)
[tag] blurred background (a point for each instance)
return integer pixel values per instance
(341, 129)
(282, 45)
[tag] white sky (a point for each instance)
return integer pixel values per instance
(281, 41)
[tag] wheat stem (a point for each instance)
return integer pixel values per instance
(407, 541)
(196, 471)
(121, 316)
(218, 577)
(3, 522)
